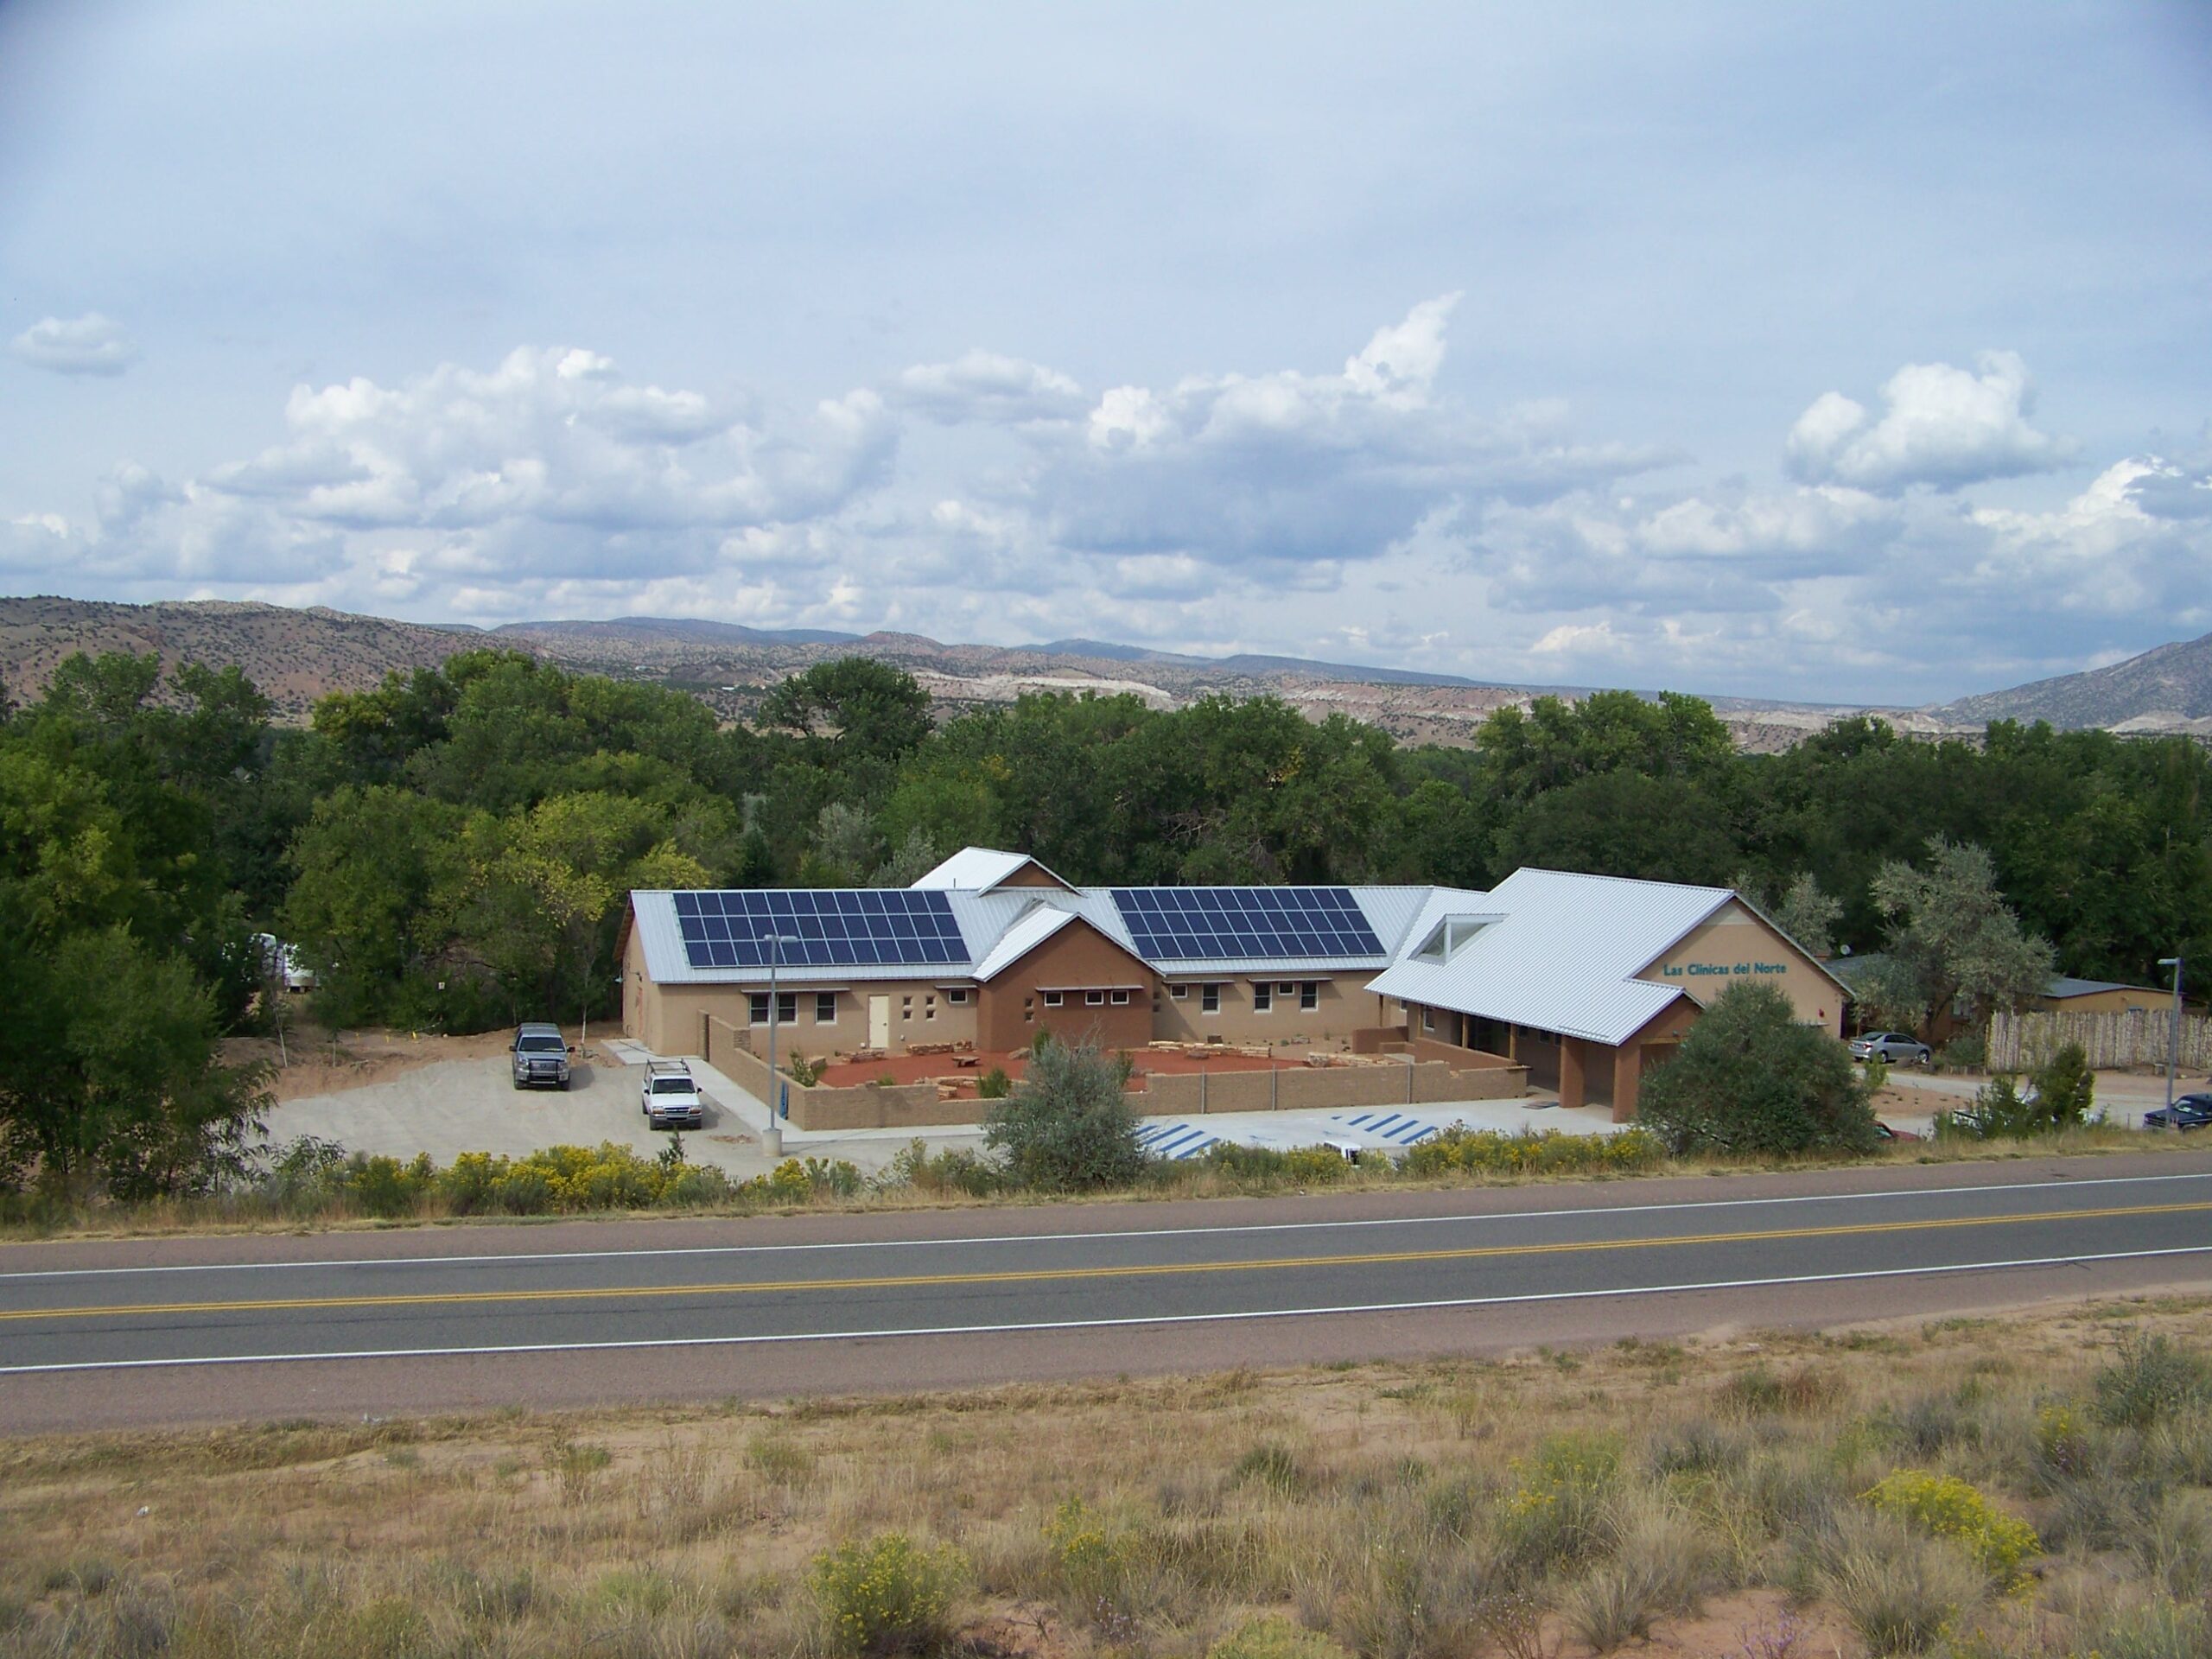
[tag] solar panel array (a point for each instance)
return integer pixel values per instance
(820, 928)
(1242, 924)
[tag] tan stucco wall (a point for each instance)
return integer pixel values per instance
(1345, 1006)
(1704, 964)
(665, 1018)
(1011, 1010)
(1033, 875)
(2118, 1001)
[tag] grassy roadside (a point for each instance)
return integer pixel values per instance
(568, 1183)
(2039, 1484)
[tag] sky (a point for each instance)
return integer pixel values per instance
(1850, 354)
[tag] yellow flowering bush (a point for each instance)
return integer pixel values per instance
(888, 1595)
(1943, 1506)
(1554, 1515)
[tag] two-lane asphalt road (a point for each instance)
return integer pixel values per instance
(243, 1327)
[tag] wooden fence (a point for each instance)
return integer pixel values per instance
(2020, 1042)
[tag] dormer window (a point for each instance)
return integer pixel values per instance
(1446, 938)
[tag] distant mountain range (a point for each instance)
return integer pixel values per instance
(297, 656)
(2167, 688)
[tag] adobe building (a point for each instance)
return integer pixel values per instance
(1588, 981)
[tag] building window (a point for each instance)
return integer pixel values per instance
(956, 996)
(1121, 999)
(1179, 992)
(905, 1009)
(1286, 990)
(786, 1007)
(825, 1008)
(1052, 998)
(929, 1006)
(1094, 998)
(1309, 995)
(1428, 1019)
(1263, 998)
(1209, 999)
(1028, 1010)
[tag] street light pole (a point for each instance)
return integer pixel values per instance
(771, 1142)
(2173, 1042)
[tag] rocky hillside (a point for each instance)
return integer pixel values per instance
(298, 656)
(294, 657)
(2167, 688)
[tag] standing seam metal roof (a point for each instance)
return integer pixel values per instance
(1565, 956)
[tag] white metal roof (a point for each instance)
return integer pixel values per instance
(978, 869)
(1036, 925)
(1564, 957)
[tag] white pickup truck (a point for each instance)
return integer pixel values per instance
(671, 1099)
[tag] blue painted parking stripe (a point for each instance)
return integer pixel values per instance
(1382, 1126)
(1188, 1134)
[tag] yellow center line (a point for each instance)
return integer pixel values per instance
(1035, 1275)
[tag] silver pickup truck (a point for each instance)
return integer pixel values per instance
(540, 1057)
(671, 1099)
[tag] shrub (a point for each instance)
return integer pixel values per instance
(1760, 1392)
(1943, 1506)
(1461, 1150)
(2060, 1097)
(1271, 1464)
(1555, 1515)
(1312, 1165)
(888, 1595)
(1094, 1559)
(1965, 1053)
(804, 1072)
(994, 1084)
(1749, 1078)
(1069, 1126)
(2066, 1089)
(2158, 1629)
(2150, 1378)
(2062, 1442)
(953, 1170)
(1275, 1638)
(1899, 1591)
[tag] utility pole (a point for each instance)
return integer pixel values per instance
(2173, 1042)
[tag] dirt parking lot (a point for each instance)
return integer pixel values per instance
(468, 1103)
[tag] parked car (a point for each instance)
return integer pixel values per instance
(2188, 1112)
(1892, 1045)
(540, 1056)
(671, 1099)
(1889, 1133)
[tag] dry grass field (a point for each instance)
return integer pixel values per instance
(1755, 1496)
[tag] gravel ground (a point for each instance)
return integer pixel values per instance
(470, 1105)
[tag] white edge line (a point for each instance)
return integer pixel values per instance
(2054, 1186)
(1095, 1325)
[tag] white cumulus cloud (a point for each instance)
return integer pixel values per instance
(91, 344)
(1941, 426)
(981, 385)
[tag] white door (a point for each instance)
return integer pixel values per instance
(879, 1022)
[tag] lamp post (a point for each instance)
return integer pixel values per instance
(771, 1142)
(2173, 1042)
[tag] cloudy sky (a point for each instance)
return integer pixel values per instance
(1851, 352)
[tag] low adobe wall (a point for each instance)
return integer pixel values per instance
(886, 1106)
(1424, 1081)
(1330, 1088)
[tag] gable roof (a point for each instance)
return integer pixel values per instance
(2065, 986)
(980, 870)
(1034, 926)
(1562, 958)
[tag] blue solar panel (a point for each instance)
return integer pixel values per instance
(1245, 924)
(825, 928)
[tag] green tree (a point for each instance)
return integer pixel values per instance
(1801, 909)
(1749, 1078)
(1068, 1124)
(127, 1084)
(855, 707)
(1952, 938)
